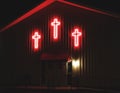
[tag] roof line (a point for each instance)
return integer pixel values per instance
(45, 4)
(29, 13)
(88, 8)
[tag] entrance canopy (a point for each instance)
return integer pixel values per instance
(52, 56)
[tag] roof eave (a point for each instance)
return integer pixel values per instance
(89, 9)
(48, 2)
(29, 13)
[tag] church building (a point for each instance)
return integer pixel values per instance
(60, 43)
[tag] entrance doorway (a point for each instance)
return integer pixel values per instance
(54, 73)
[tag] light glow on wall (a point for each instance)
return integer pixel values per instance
(55, 25)
(75, 63)
(36, 38)
(76, 34)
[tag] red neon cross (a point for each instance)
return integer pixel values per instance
(55, 25)
(36, 37)
(76, 35)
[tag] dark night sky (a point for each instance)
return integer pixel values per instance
(12, 9)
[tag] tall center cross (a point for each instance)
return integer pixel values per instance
(55, 25)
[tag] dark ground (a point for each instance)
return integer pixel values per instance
(55, 90)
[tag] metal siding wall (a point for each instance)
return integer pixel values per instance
(94, 53)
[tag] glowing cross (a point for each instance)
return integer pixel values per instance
(55, 25)
(36, 37)
(76, 35)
